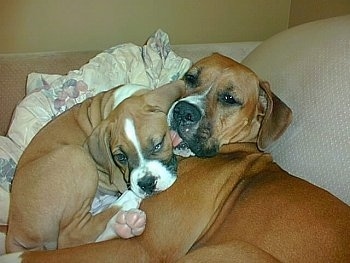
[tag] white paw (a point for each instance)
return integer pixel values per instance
(124, 224)
(130, 223)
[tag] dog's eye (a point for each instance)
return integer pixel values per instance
(120, 157)
(158, 146)
(191, 80)
(229, 99)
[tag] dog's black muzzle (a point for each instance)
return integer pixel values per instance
(148, 184)
(188, 121)
(185, 114)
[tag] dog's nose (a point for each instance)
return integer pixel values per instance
(186, 113)
(147, 184)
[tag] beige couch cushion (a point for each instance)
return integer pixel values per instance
(309, 68)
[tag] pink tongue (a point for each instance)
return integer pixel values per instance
(175, 138)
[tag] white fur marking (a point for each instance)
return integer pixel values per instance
(130, 131)
(126, 91)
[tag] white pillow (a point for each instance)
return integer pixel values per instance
(309, 68)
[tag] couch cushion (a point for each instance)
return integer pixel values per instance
(309, 68)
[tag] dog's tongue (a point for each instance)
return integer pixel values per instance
(175, 138)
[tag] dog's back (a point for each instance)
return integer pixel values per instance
(285, 216)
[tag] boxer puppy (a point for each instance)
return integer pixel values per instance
(115, 141)
(237, 206)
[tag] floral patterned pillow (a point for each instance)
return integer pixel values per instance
(9, 154)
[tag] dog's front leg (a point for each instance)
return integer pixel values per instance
(84, 227)
(128, 222)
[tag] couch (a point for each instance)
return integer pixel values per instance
(308, 67)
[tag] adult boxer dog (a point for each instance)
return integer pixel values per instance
(114, 140)
(238, 206)
(225, 103)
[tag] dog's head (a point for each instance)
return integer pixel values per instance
(132, 147)
(225, 102)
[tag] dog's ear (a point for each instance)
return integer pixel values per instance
(164, 96)
(98, 144)
(276, 119)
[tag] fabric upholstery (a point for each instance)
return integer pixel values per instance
(308, 67)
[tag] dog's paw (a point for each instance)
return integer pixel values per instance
(130, 223)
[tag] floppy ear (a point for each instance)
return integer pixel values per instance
(276, 119)
(164, 96)
(98, 144)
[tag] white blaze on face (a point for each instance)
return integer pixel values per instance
(130, 132)
(164, 178)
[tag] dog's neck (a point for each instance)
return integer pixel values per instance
(239, 147)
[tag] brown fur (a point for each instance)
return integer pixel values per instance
(61, 169)
(238, 206)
